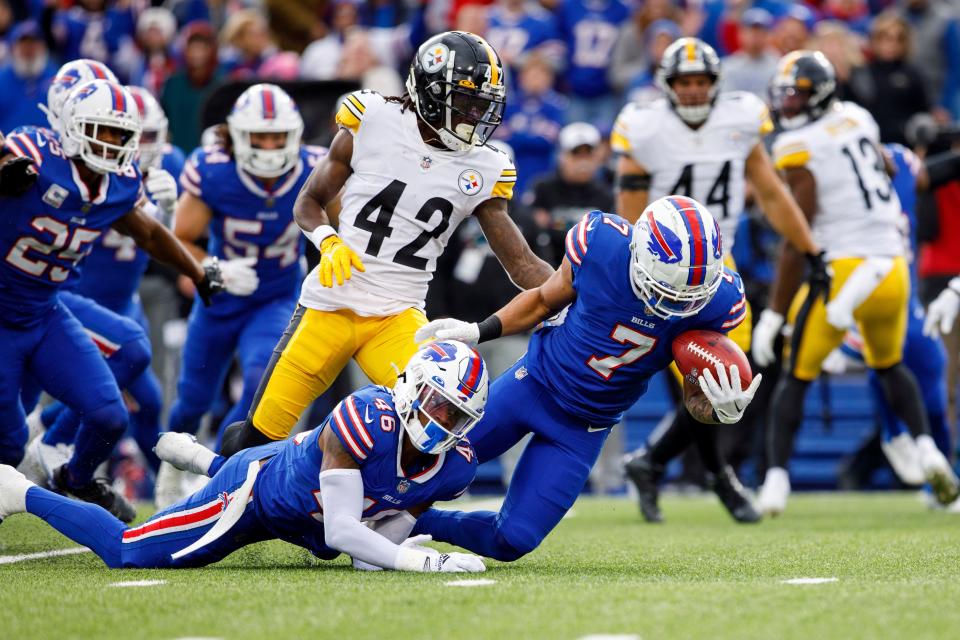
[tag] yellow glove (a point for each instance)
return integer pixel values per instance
(336, 259)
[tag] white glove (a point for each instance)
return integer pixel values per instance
(162, 188)
(454, 562)
(415, 557)
(942, 313)
(449, 329)
(725, 394)
(764, 335)
(239, 276)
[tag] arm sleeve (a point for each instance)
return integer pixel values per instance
(395, 528)
(341, 491)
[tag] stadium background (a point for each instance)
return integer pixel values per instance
(569, 61)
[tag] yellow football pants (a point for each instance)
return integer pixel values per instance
(314, 350)
(881, 319)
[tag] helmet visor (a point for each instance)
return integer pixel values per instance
(788, 100)
(666, 302)
(444, 412)
(474, 116)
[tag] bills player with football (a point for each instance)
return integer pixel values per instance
(830, 156)
(410, 170)
(241, 192)
(631, 291)
(353, 485)
(701, 143)
(83, 183)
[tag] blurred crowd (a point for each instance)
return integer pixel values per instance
(571, 64)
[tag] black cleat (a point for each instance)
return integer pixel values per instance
(97, 491)
(734, 497)
(645, 476)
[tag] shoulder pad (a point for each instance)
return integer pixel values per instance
(750, 110)
(354, 107)
(590, 228)
(790, 150)
(507, 178)
(738, 308)
(634, 124)
(32, 142)
(197, 168)
(349, 422)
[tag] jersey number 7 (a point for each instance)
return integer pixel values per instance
(642, 345)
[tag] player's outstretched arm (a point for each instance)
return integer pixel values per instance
(524, 312)
(784, 213)
(310, 211)
(341, 492)
(633, 189)
(154, 238)
(525, 269)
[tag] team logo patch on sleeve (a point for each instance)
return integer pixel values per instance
(436, 58)
(471, 182)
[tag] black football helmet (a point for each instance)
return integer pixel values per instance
(456, 86)
(803, 88)
(685, 57)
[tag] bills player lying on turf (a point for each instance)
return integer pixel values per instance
(382, 456)
(631, 291)
(79, 190)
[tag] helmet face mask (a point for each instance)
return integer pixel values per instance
(101, 125)
(803, 88)
(441, 394)
(265, 109)
(690, 58)
(456, 86)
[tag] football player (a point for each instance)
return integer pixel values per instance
(241, 191)
(111, 278)
(381, 457)
(410, 169)
(705, 144)
(631, 291)
(83, 183)
(830, 156)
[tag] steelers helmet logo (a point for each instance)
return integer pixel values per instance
(435, 58)
(471, 182)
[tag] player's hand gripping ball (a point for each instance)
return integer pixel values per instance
(716, 364)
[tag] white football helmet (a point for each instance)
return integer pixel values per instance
(89, 108)
(441, 394)
(153, 127)
(676, 257)
(70, 75)
(265, 108)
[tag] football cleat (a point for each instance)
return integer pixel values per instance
(35, 426)
(772, 500)
(40, 461)
(97, 491)
(13, 491)
(904, 457)
(645, 476)
(170, 486)
(938, 471)
(184, 452)
(734, 497)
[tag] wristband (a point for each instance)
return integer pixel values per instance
(319, 234)
(490, 329)
(634, 182)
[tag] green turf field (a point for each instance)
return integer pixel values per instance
(601, 572)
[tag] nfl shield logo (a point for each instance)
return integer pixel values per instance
(403, 486)
(425, 162)
(471, 182)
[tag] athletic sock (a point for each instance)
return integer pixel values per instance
(786, 414)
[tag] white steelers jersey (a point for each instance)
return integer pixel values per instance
(400, 206)
(706, 164)
(857, 208)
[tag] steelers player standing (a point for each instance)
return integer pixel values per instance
(829, 153)
(410, 170)
(704, 144)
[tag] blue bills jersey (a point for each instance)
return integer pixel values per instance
(511, 34)
(905, 184)
(251, 221)
(366, 423)
(49, 230)
(111, 273)
(591, 29)
(598, 362)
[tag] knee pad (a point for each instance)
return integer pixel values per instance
(110, 419)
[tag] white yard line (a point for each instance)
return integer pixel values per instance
(137, 583)
(808, 580)
(610, 636)
(43, 554)
(470, 583)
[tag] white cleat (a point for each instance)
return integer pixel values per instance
(35, 424)
(772, 499)
(13, 491)
(41, 460)
(938, 471)
(169, 488)
(184, 452)
(904, 457)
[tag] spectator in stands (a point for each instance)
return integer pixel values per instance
(6, 24)
(359, 62)
(320, 59)
(935, 26)
(643, 87)
(590, 29)
(792, 29)
(148, 61)
(753, 65)
(517, 27)
(560, 199)
(843, 49)
(186, 90)
(532, 120)
(855, 14)
(889, 87)
(629, 58)
(24, 79)
(91, 29)
(247, 44)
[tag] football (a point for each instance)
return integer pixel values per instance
(695, 350)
